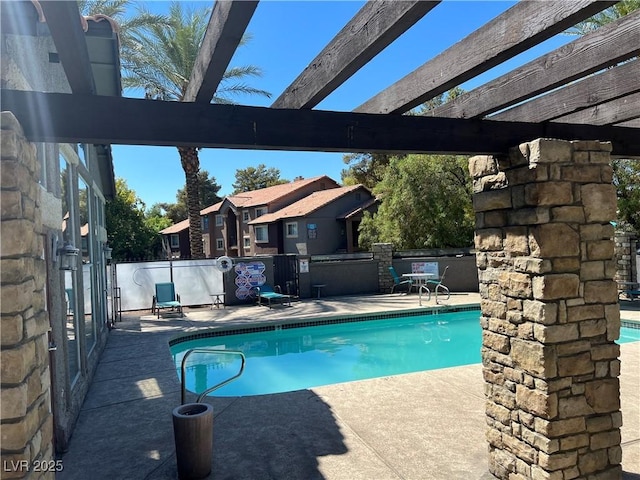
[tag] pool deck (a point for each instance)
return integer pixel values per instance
(427, 425)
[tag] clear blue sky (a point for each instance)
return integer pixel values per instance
(287, 35)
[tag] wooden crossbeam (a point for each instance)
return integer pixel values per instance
(635, 123)
(228, 22)
(63, 20)
(66, 118)
(519, 28)
(596, 89)
(608, 45)
(608, 113)
(371, 30)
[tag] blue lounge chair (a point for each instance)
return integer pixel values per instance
(166, 297)
(266, 292)
(397, 281)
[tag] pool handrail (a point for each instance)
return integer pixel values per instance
(183, 367)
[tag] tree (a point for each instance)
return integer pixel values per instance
(619, 10)
(626, 178)
(207, 190)
(441, 99)
(160, 62)
(255, 178)
(367, 169)
(626, 173)
(426, 203)
(130, 235)
(208, 195)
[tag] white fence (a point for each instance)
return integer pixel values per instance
(195, 281)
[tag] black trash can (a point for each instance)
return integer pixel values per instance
(193, 433)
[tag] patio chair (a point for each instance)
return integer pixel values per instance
(166, 297)
(439, 286)
(397, 281)
(267, 292)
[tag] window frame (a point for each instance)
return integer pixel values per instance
(264, 228)
(174, 240)
(286, 230)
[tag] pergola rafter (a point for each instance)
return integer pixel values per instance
(523, 26)
(375, 26)
(607, 46)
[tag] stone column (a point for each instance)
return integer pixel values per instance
(549, 310)
(383, 253)
(626, 257)
(26, 420)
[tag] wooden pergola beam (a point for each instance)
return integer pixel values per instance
(370, 31)
(228, 22)
(64, 21)
(608, 45)
(66, 118)
(522, 26)
(607, 85)
(608, 113)
(635, 123)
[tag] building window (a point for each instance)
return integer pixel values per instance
(245, 216)
(174, 240)
(246, 242)
(82, 152)
(219, 243)
(292, 229)
(262, 233)
(219, 220)
(260, 211)
(205, 223)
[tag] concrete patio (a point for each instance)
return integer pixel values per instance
(427, 425)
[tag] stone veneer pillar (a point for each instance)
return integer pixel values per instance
(383, 253)
(26, 421)
(549, 310)
(625, 249)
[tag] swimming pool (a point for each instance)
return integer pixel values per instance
(287, 359)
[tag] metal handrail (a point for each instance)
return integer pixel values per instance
(216, 386)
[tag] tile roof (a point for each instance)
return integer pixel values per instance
(175, 228)
(211, 209)
(307, 205)
(267, 195)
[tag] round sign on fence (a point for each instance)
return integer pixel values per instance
(224, 264)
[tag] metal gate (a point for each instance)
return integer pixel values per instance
(285, 273)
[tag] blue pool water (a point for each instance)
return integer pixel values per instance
(298, 358)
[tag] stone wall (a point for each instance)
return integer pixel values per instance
(26, 421)
(625, 248)
(383, 253)
(549, 310)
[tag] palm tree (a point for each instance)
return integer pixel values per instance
(128, 25)
(160, 62)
